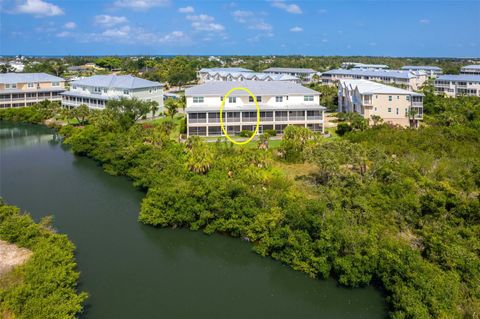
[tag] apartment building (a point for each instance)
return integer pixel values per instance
(25, 89)
(411, 80)
(454, 85)
(357, 65)
(473, 69)
(95, 91)
(432, 71)
(305, 75)
(281, 103)
(369, 98)
(207, 75)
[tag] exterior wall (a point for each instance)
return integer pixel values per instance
(22, 95)
(412, 83)
(471, 71)
(216, 101)
(456, 88)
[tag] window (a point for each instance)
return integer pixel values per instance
(127, 92)
(250, 99)
(308, 98)
(232, 99)
(375, 108)
(389, 97)
(198, 99)
(398, 97)
(31, 85)
(97, 89)
(74, 87)
(55, 83)
(11, 86)
(389, 110)
(105, 90)
(397, 110)
(279, 99)
(408, 97)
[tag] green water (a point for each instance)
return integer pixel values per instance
(135, 271)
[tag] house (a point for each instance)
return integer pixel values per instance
(281, 103)
(432, 71)
(369, 98)
(305, 75)
(95, 91)
(411, 80)
(356, 65)
(25, 89)
(473, 69)
(453, 85)
(226, 74)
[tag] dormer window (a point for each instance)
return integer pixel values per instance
(74, 87)
(11, 86)
(126, 92)
(55, 83)
(96, 89)
(308, 98)
(232, 99)
(279, 99)
(31, 85)
(198, 99)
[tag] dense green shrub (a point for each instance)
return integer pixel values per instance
(245, 133)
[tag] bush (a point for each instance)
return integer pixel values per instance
(343, 128)
(271, 132)
(246, 133)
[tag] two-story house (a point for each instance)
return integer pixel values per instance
(305, 75)
(453, 85)
(432, 71)
(95, 91)
(473, 69)
(369, 98)
(25, 89)
(215, 74)
(281, 104)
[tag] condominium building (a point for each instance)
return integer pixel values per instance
(432, 71)
(411, 80)
(357, 65)
(305, 75)
(95, 91)
(454, 85)
(25, 89)
(216, 74)
(471, 69)
(281, 104)
(369, 98)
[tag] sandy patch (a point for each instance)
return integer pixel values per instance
(11, 255)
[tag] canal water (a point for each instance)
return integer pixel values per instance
(135, 271)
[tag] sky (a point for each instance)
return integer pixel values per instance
(428, 28)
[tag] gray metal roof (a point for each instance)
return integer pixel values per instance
(472, 66)
(225, 70)
(370, 87)
(11, 78)
(116, 81)
(421, 67)
(290, 70)
(255, 76)
(272, 88)
(399, 74)
(459, 77)
(252, 107)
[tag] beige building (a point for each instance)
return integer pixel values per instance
(369, 98)
(410, 80)
(25, 89)
(453, 85)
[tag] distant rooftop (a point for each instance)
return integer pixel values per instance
(363, 65)
(370, 87)
(459, 77)
(11, 78)
(220, 88)
(402, 74)
(472, 66)
(421, 67)
(290, 70)
(253, 75)
(116, 81)
(225, 70)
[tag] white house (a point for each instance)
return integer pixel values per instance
(305, 75)
(207, 74)
(432, 71)
(411, 80)
(226, 74)
(473, 69)
(357, 65)
(453, 85)
(95, 91)
(281, 104)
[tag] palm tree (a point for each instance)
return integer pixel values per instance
(171, 107)
(376, 119)
(412, 113)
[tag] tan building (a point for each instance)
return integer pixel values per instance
(369, 98)
(453, 85)
(25, 89)
(411, 80)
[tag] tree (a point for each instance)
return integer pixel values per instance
(80, 113)
(412, 113)
(376, 119)
(343, 128)
(109, 62)
(6, 68)
(200, 158)
(128, 111)
(171, 107)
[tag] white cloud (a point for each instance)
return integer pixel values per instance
(241, 16)
(140, 4)
(296, 29)
(70, 25)
(38, 8)
(121, 32)
(108, 21)
(175, 36)
(424, 21)
(290, 8)
(263, 26)
(188, 9)
(203, 22)
(249, 18)
(63, 34)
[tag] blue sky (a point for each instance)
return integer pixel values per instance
(439, 28)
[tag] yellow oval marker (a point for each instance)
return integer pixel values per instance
(221, 115)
